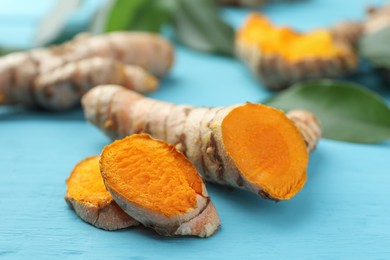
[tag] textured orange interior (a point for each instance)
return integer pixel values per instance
(267, 148)
(86, 183)
(151, 174)
(284, 41)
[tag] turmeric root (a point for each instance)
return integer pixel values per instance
(280, 56)
(63, 87)
(89, 198)
(349, 32)
(377, 24)
(250, 146)
(158, 186)
(18, 71)
(378, 19)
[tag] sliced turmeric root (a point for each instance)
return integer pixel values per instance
(89, 198)
(249, 146)
(280, 56)
(158, 186)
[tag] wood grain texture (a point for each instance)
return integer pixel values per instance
(343, 212)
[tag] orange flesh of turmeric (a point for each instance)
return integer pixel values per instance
(151, 174)
(286, 42)
(267, 148)
(86, 184)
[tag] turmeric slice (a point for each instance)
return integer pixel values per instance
(250, 146)
(89, 198)
(280, 56)
(24, 76)
(158, 186)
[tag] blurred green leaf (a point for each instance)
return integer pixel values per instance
(153, 15)
(199, 26)
(140, 15)
(121, 14)
(376, 47)
(347, 112)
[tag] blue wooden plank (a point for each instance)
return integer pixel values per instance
(342, 213)
(19, 20)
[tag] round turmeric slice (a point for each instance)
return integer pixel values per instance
(280, 56)
(158, 186)
(267, 149)
(89, 198)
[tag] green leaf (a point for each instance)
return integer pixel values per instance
(121, 14)
(347, 112)
(140, 15)
(375, 47)
(199, 26)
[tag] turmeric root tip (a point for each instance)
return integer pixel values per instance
(88, 197)
(158, 186)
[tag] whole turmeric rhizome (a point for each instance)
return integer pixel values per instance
(158, 183)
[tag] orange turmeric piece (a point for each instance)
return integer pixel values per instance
(249, 146)
(267, 149)
(89, 198)
(281, 56)
(158, 186)
(286, 42)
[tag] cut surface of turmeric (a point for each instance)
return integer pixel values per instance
(288, 43)
(266, 148)
(249, 146)
(88, 196)
(86, 183)
(158, 186)
(280, 56)
(151, 174)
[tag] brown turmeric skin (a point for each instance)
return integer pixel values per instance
(280, 56)
(64, 86)
(158, 186)
(89, 198)
(27, 78)
(250, 146)
(348, 32)
(378, 19)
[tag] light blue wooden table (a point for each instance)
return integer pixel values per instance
(343, 212)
